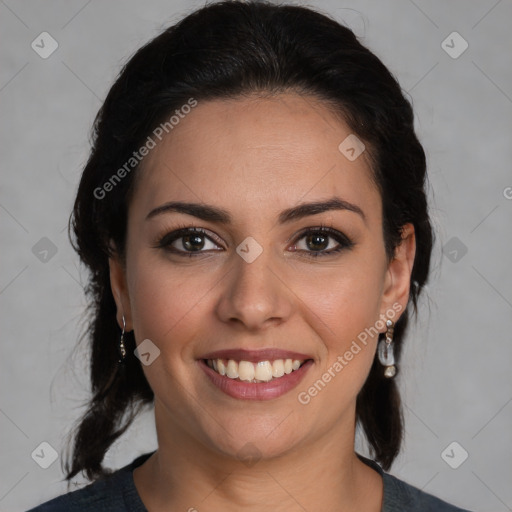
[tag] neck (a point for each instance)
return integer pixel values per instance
(321, 474)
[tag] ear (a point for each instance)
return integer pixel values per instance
(398, 275)
(120, 290)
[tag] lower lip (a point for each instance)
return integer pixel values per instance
(256, 390)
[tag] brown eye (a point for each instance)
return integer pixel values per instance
(322, 242)
(187, 241)
(193, 242)
(317, 242)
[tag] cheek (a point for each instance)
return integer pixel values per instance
(168, 307)
(344, 317)
(343, 308)
(347, 300)
(167, 303)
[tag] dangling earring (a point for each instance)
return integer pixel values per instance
(122, 349)
(385, 351)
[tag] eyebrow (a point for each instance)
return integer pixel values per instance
(215, 214)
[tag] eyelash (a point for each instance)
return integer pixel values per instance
(165, 241)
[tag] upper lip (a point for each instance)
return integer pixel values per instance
(254, 356)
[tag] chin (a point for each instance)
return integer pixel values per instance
(246, 440)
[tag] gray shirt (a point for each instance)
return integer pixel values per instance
(117, 493)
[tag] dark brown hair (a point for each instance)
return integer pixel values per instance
(225, 50)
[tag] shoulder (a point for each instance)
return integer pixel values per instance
(114, 493)
(400, 496)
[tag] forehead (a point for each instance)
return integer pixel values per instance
(259, 154)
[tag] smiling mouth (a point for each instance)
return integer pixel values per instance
(261, 371)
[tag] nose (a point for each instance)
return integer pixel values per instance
(255, 295)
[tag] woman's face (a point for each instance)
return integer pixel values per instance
(261, 281)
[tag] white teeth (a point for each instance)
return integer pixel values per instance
(262, 371)
(278, 368)
(246, 370)
(232, 369)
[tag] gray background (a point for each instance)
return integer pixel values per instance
(456, 378)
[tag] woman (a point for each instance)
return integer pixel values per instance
(254, 218)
